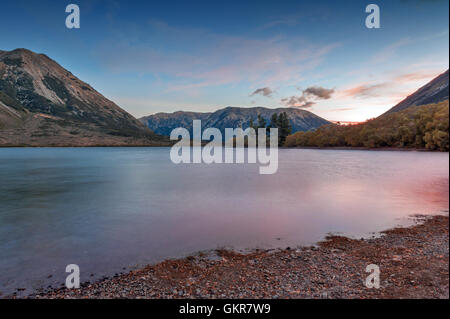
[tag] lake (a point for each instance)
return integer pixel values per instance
(109, 209)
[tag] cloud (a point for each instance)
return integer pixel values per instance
(397, 86)
(266, 91)
(319, 92)
(366, 90)
(200, 58)
(289, 21)
(342, 109)
(417, 76)
(308, 97)
(297, 101)
(389, 52)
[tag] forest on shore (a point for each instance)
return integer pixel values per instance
(422, 127)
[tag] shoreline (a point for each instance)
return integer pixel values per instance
(86, 146)
(349, 148)
(331, 148)
(413, 262)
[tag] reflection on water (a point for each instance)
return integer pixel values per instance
(108, 208)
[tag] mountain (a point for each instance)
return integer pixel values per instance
(232, 117)
(433, 92)
(41, 104)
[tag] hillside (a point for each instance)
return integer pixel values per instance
(43, 104)
(232, 117)
(424, 126)
(435, 91)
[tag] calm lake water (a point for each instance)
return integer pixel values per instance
(108, 208)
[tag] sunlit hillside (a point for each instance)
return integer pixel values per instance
(423, 126)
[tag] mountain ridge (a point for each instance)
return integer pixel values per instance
(435, 91)
(41, 103)
(163, 123)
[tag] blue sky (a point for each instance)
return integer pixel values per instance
(150, 56)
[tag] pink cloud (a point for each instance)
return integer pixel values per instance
(417, 76)
(365, 90)
(396, 87)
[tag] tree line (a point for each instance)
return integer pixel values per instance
(424, 127)
(279, 121)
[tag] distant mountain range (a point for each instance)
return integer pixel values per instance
(42, 104)
(232, 117)
(435, 91)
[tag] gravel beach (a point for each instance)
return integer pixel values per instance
(413, 263)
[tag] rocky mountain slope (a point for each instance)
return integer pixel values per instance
(435, 91)
(232, 117)
(43, 104)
